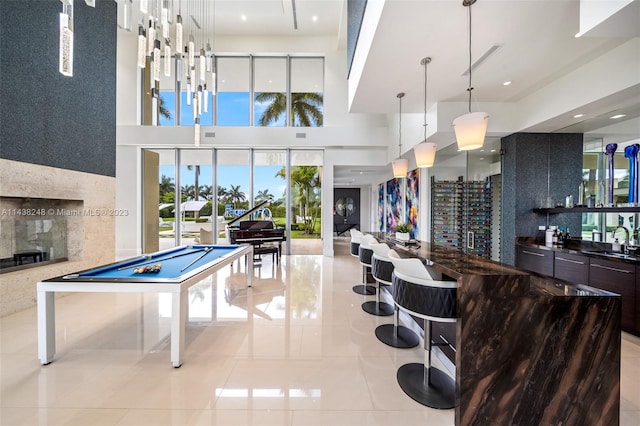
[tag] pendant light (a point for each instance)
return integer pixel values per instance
(401, 165)
(470, 128)
(425, 152)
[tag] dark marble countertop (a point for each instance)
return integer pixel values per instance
(454, 263)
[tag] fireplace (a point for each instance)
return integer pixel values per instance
(52, 222)
(36, 231)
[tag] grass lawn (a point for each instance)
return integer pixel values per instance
(279, 221)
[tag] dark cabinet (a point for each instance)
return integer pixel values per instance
(637, 300)
(617, 277)
(572, 267)
(535, 260)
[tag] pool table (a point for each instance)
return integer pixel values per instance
(181, 267)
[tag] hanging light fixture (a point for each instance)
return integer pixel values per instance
(66, 39)
(470, 128)
(425, 152)
(401, 165)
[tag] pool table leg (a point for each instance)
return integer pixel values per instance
(46, 326)
(178, 323)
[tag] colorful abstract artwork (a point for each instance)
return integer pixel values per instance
(381, 207)
(394, 204)
(413, 202)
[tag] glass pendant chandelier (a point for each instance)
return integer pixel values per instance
(66, 39)
(425, 152)
(470, 128)
(400, 165)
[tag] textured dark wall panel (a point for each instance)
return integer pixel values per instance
(537, 164)
(355, 13)
(45, 117)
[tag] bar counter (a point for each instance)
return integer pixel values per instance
(530, 350)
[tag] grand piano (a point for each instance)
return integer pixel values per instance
(261, 233)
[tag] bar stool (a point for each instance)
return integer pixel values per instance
(382, 270)
(355, 241)
(415, 293)
(364, 256)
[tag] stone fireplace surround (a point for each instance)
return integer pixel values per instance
(91, 237)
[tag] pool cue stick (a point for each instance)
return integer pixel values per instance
(160, 260)
(207, 250)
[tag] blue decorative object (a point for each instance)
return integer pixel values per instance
(610, 150)
(631, 152)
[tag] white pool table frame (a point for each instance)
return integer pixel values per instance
(179, 296)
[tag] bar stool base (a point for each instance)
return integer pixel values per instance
(380, 309)
(439, 393)
(366, 290)
(404, 338)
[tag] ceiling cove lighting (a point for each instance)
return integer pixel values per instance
(470, 128)
(425, 152)
(401, 165)
(615, 117)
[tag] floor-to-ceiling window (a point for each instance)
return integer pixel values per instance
(234, 184)
(219, 186)
(305, 201)
(233, 101)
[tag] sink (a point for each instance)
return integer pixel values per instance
(614, 254)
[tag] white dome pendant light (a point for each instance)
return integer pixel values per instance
(401, 165)
(425, 152)
(470, 128)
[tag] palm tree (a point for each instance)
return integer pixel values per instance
(306, 108)
(166, 185)
(206, 191)
(305, 179)
(263, 195)
(235, 195)
(162, 109)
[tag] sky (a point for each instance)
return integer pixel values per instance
(233, 111)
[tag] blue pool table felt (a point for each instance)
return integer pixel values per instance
(171, 267)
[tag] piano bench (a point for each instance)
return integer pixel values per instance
(273, 250)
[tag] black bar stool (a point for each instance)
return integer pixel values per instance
(382, 270)
(364, 256)
(355, 242)
(417, 294)
(396, 335)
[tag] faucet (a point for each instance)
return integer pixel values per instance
(626, 236)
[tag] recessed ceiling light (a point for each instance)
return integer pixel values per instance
(613, 117)
(314, 18)
(578, 115)
(243, 18)
(493, 150)
(506, 83)
(481, 158)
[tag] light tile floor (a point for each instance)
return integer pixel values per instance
(297, 349)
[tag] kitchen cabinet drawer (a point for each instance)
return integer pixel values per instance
(617, 277)
(535, 260)
(573, 268)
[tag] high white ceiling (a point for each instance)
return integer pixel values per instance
(534, 42)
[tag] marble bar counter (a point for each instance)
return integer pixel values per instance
(530, 350)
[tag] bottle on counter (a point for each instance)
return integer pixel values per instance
(548, 237)
(581, 188)
(560, 237)
(569, 201)
(554, 237)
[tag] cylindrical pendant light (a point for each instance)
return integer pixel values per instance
(471, 128)
(401, 165)
(425, 152)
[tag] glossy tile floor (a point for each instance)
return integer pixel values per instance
(297, 349)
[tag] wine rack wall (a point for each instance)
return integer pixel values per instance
(461, 215)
